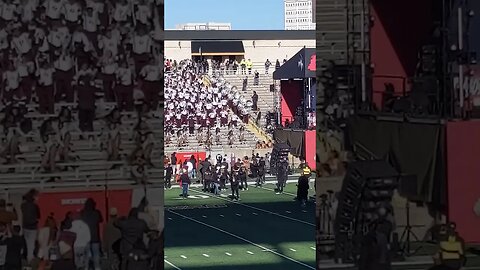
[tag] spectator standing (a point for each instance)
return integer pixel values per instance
(254, 101)
(243, 65)
(44, 89)
(80, 247)
(249, 66)
(173, 163)
(66, 240)
(194, 164)
(133, 230)
(256, 78)
(16, 250)
(86, 98)
(245, 83)
(277, 65)
(4, 235)
(267, 66)
(92, 217)
(111, 239)
(30, 218)
(185, 183)
(168, 176)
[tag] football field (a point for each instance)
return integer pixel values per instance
(263, 230)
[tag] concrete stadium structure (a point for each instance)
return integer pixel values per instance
(256, 45)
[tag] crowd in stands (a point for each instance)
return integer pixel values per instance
(97, 59)
(41, 241)
(201, 106)
(264, 145)
(226, 67)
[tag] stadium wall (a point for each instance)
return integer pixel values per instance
(257, 50)
(463, 151)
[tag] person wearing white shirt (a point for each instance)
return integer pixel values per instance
(25, 71)
(143, 12)
(8, 12)
(53, 10)
(80, 247)
(28, 9)
(11, 82)
(124, 87)
(109, 42)
(141, 47)
(44, 89)
(21, 43)
(55, 38)
(72, 12)
(152, 84)
(122, 11)
(64, 69)
(80, 39)
(90, 25)
(108, 68)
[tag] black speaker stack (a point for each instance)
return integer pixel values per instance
(280, 152)
(368, 186)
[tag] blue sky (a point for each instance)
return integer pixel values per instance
(242, 14)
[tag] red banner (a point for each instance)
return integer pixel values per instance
(463, 149)
(181, 157)
(310, 148)
(59, 203)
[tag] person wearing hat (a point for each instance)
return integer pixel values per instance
(111, 239)
(185, 180)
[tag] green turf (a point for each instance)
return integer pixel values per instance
(263, 231)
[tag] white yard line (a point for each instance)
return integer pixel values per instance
(172, 265)
(243, 239)
(258, 209)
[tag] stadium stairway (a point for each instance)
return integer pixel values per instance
(266, 99)
(331, 37)
(260, 133)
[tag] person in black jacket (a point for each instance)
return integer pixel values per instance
(235, 185)
(133, 231)
(173, 162)
(16, 250)
(302, 189)
(282, 174)
(92, 217)
(375, 252)
(31, 216)
(168, 176)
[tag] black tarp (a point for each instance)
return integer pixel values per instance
(300, 66)
(413, 149)
(217, 46)
(294, 138)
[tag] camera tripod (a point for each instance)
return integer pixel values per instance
(408, 235)
(325, 217)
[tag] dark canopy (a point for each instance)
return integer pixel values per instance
(217, 47)
(300, 66)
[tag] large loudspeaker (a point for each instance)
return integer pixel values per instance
(408, 187)
(368, 185)
(280, 151)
